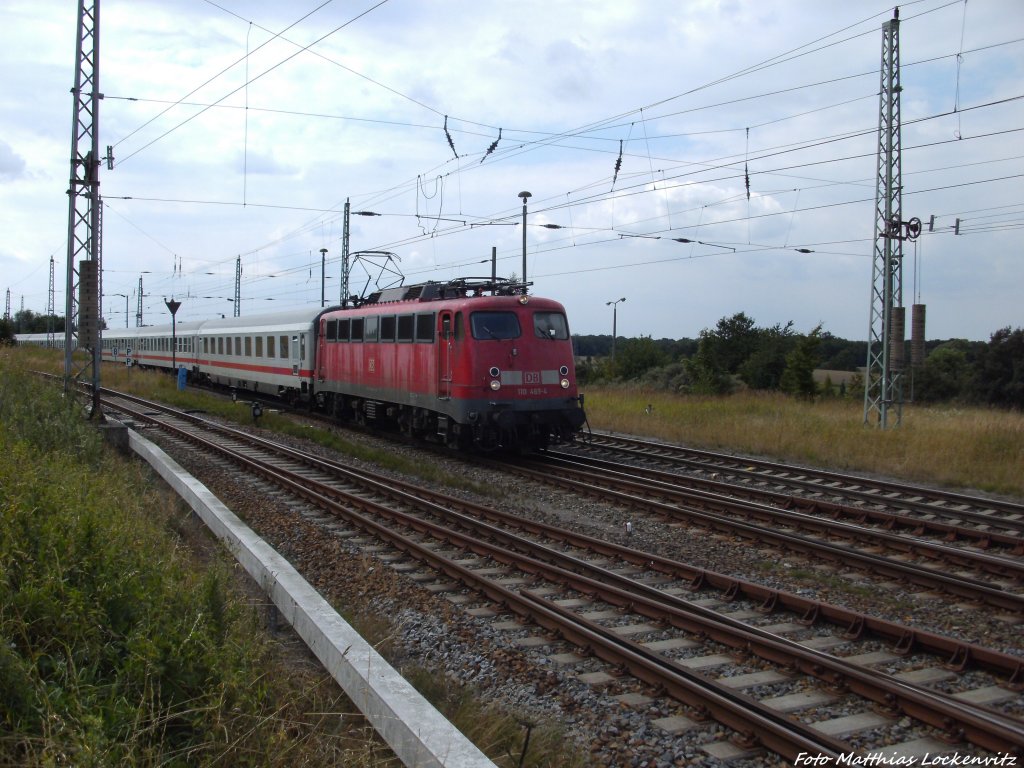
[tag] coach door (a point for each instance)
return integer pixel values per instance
(445, 351)
(295, 350)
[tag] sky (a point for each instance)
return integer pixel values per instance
(747, 127)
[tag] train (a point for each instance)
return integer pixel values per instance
(472, 363)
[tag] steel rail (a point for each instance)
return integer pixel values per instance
(981, 726)
(786, 737)
(981, 537)
(967, 588)
(784, 473)
(855, 625)
(672, 489)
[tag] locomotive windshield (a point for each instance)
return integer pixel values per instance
(550, 325)
(495, 325)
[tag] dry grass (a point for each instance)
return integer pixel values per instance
(968, 448)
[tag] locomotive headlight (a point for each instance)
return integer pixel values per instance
(495, 385)
(565, 383)
(495, 372)
(564, 370)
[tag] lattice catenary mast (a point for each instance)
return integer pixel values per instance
(343, 292)
(84, 272)
(138, 310)
(883, 383)
(238, 286)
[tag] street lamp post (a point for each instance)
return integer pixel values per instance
(615, 318)
(525, 196)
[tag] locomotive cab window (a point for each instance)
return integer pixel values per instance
(494, 325)
(331, 333)
(370, 329)
(357, 329)
(387, 328)
(343, 329)
(550, 325)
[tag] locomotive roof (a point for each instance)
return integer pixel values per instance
(453, 289)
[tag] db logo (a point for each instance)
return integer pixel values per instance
(531, 377)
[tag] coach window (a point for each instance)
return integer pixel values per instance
(238, 345)
(425, 327)
(259, 346)
(282, 348)
(270, 346)
(356, 329)
(370, 328)
(331, 332)
(387, 328)
(220, 345)
(248, 346)
(494, 325)
(302, 346)
(406, 327)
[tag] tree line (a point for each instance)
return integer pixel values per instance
(739, 354)
(27, 321)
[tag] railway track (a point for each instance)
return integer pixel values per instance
(982, 577)
(985, 521)
(720, 648)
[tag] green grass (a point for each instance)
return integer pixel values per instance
(969, 448)
(116, 648)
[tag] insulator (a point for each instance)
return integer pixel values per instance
(450, 142)
(493, 146)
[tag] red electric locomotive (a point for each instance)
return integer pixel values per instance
(473, 362)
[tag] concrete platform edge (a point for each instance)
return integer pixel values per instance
(417, 732)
